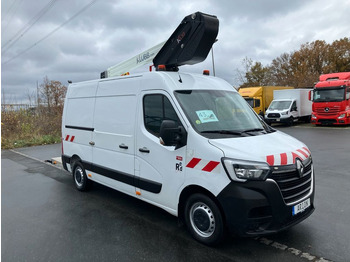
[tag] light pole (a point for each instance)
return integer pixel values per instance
(212, 56)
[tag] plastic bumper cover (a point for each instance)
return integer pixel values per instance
(257, 208)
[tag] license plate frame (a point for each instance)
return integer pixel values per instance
(301, 207)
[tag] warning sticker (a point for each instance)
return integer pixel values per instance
(206, 116)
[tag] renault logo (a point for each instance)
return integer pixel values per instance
(300, 168)
(326, 109)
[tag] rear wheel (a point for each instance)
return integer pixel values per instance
(204, 219)
(81, 182)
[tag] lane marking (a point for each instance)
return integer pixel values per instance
(294, 251)
(36, 159)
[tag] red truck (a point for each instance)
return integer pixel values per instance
(331, 100)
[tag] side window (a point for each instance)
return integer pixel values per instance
(157, 108)
(294, 106)
(257, 102)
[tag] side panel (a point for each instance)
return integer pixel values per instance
(114, 122)
(77, 123)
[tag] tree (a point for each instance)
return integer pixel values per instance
(338, 56)
(52, 93)
(255, 73)
(301, 68)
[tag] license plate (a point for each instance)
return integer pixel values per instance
(301, 206)
(277, 119)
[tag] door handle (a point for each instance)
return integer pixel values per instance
(92, 143)
(123, 146)
(144, 150)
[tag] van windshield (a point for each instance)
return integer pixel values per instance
(219, 114)
(279, 105)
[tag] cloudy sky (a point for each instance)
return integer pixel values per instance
(77, 39)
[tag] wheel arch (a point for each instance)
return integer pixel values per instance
(194, 189)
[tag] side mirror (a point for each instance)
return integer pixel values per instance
(172, 135)
(310, 95)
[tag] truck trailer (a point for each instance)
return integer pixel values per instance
(260, 97)
(331, 100)
(289, 106)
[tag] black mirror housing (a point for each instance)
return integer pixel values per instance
(172, 135)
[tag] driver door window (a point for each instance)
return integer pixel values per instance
(157, 108)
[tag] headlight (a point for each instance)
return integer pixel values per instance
(313, 116)
(241, 170)
(285, 113)
(341, 116)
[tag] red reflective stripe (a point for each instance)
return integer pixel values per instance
(72, 139)
(307, 150)
(194, 161)
(302, 152)
(210, 166)
(270, 160)
(295, 156)
(67, 137)
(284, 159)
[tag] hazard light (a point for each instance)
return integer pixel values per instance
(206, 72)
(161, 68)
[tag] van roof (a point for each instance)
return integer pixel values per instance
(159, 80)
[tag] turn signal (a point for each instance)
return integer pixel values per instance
(206, 72)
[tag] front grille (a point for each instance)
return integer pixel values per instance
(274, 115)
(327, 121)
(293, 186)
(328, 111)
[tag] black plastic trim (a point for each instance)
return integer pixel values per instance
(148, 185)
(81, 128)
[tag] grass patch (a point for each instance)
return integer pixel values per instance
(26, 128)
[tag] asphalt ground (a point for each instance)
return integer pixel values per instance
(44, 218)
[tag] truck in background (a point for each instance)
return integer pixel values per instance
(260, 97)
(289, 106)
(331, 100)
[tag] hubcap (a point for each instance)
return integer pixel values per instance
(79, 176)
(202, 219)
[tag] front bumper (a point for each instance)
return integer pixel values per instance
(257, 208)
(328, 120)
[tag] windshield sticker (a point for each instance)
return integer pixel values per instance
(206, 116)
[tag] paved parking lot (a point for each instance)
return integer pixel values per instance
(44, 218)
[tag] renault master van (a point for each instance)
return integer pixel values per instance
(191, 145)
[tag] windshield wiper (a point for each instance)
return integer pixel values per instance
(253, 130)
(228, 132)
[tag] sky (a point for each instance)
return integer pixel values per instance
(78, 39)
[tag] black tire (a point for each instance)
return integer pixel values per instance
(81, 182)
(290, 121)
(204, 220)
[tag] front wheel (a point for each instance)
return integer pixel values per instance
(204, 219)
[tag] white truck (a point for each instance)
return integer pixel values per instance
(189, 144)
(289, 106)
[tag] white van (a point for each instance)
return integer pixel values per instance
(289, 106)
(191, 145)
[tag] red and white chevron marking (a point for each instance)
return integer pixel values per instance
(69, 138)
(288, 158)
(204, 165)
